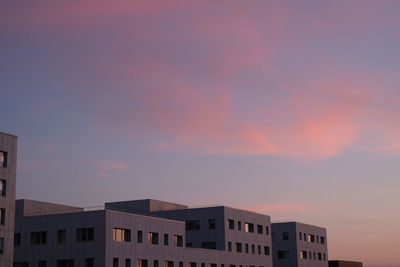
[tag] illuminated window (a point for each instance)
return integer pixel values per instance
(168, 264)
(3, 187)
(142, 263)
(303, 254)
(178, 241)
(3, 159)
(249, 227)
(153, 238)
(121, 235)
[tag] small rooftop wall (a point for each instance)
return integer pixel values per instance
(25, 207)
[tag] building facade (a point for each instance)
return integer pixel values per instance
(8, 167)
(143, 233)
(297, 244)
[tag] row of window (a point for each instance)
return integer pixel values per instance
(312, 238)
(195, 225)
(89, 262)
(285, 254)
(124, 235)
(248, 227)
(40, 238)
(239, 248)
(3, 159)
(312, 255)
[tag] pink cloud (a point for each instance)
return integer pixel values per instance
(110, 165)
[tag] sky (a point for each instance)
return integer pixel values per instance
(287, 108)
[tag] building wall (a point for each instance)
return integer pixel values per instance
(52, 250)
(8, 144)
(306, 245)
(341, 263)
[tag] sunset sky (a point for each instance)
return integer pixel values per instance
(288, 108)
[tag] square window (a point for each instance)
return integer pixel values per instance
(84, 234)
(231, 224)
(249, 227)
(238, 247)
(283, 254)
(142, 263)
(153, 238)
(178, 240)
(260, 229)
(211, 223)
(285, 235)
(89, 262)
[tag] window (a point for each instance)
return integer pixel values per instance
(89, 262)
(166, 240)
(209, 245)
(121, 235)
(311, 238)
(285, 235)
(246, 248)
(211, 224)
(253, 249)
(229, 246)
(115, 262)
(212, 265)
(266, 230)
(238, 247)
(42, 264)
(300, 235)
(303, 254)
(3, 159)
(239, 225)
(142, 263)
(178, 240)
(304, 236)
(168, 264)
(155, 263)
(324, 257)
(322, 239)
(266, 250)
(319, 256)
(189, 245)
(193, 225)
(259, 249)
(309, 254)
(17, 239)
(84, 234)
(283, 254)
(21, 264)
(61, 236)
(231, 224)
(139, 236)
(2, 216)
(128, 263)
(1, 245)
(65, 263)
(317, 239)
(314, 256)
(249, 227)
(180, 264)
(38, 238)
(3, 187)
(153, 238)
(273, 237)
(192, 264)
(260, 229)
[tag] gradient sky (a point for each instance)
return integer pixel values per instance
(289, 108)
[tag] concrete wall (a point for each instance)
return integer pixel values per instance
(26, 207)
(8, 143)
(341, 263)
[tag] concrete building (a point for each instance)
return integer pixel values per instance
(298, 244)
(8, 167)
(342, 263)
(143, 233)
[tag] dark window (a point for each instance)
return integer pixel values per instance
(300, 235)
(260, 229)
(319, 256)
(115, 262)
(180, 264)
(139, 236)
(189, 245)
(304, 236)
(128, 262)
(153, 238)
(17, 239)
(266, 250)
(84, 234)
(231, 224)
(61, 236)
(283, 254)
(38, 238)
(203, 264)
(259, 249)
(3, 187)
(21, 264)
(211, 224)
(168, 264)
(1, 245)
(246, 248)
(303, 254)
(213, 265)
(89, 262)
(314, 256)
(166, 240)
(317, 239)
(239, 225)
(238, 247)
(322, 239)
(192, 225)
(324, 257)
(249, 227)
(42, 264)
(155, 263)
(178, 241)
(2, 216)
(309, 253)
(285, 235)
(142, 263)
(3, 159)
(192, 264)
(266, 230)
(209, 245)
(65, 263)
(273, 237)
(229, 246)
(121, 235)
(253, 249)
